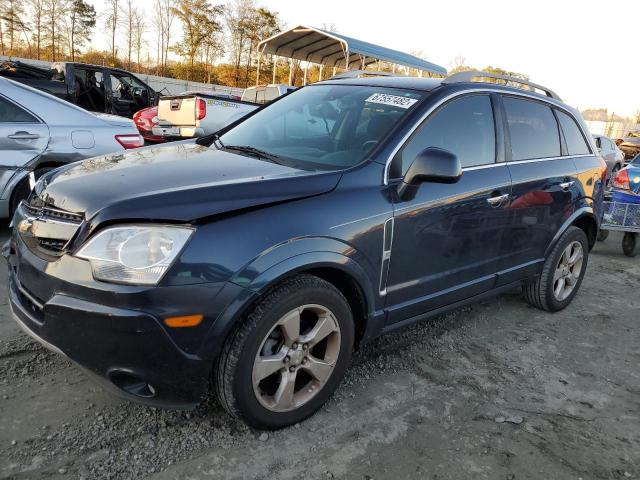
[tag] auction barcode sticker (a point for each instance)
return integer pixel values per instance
(395, 100)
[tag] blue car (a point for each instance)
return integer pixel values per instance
(626, 183)
(254, 261)
(622, 213)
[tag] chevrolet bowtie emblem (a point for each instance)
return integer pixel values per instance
(25, 225)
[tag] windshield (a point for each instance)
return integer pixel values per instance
(323, 127)
(636, 160)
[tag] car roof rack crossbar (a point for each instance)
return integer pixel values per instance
(362, 73)
(469, 76)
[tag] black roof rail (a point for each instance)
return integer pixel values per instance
(469, 76)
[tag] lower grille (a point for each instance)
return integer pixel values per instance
(51, 244)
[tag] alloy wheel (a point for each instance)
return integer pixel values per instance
(296, 358)
(568, 271)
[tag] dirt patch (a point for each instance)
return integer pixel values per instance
(496, 390)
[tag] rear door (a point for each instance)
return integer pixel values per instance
(22, 136)
(544, 180)
(90, 89)
(447, 239)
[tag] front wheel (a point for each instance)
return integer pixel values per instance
(289, 354)
(562, 273)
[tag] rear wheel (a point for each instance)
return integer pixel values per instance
(288, 356)
(630, 244)
(562, 273)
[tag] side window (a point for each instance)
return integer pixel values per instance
(576, 144)
(271, 93)
(464, 126)
(249, 95)
(11, 113)
(533, 129)
(598, 142)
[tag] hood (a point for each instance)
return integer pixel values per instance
(114, 120)
(180, 182)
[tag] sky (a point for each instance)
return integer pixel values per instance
(583, 50)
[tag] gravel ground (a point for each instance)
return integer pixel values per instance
(497, 390)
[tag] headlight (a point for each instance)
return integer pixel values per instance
(136, 254)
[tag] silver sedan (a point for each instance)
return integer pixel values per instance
(39, 132)
(612, 155)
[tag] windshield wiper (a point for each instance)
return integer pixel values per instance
(256, 152)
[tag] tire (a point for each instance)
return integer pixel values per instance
(22, 190)
(602, 235)
(630, 244)
(541, 293)
(236, 373)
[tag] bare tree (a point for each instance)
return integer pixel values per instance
(139, 29)
(37, 17)
(113, 22)
(52, 19)
(164, 18)
(129, 12)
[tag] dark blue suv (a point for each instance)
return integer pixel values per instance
(253, 262)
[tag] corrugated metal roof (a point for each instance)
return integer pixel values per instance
(329, 48)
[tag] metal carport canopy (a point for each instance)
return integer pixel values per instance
(331, 49)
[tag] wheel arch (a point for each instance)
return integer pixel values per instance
(583, 218)
(339, 270)
(343, 272)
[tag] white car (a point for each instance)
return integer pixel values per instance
(40, 132)
(610, 153)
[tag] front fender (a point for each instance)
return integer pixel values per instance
(284, 267)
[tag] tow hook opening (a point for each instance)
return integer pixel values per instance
(132, 384)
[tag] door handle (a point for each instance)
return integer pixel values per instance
(493, 201)
(567, 185)
(24, 136)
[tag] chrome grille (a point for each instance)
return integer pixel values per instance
(53, 213)
(45, 229)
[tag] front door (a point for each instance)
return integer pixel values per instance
(127, 94)
(447, 240)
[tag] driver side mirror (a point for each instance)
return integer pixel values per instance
(431, 165)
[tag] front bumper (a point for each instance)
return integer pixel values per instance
(116, 332)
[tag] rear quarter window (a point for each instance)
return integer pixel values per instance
(11, 113)
(532, 128)
(576, 144)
